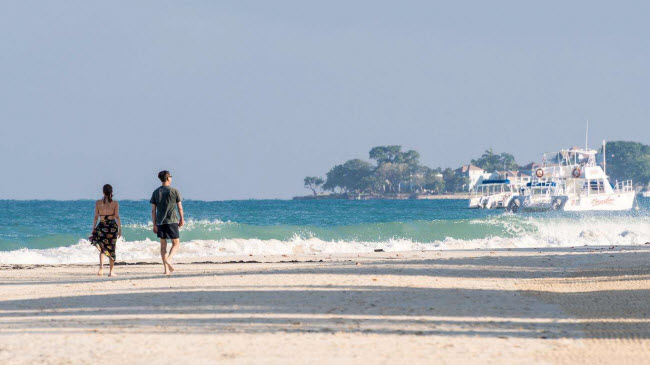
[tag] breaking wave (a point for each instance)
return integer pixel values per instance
(214, 238)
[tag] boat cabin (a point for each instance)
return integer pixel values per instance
(493, 187)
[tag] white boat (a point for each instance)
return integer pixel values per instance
(492, 194)
(574, 182)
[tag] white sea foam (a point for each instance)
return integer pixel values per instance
(525, 233)
(210, 225)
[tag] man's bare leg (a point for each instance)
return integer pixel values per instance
(163, 253)
(111, 263)
(101, 264)
(175, 243)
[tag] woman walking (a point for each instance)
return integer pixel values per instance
(109, 228)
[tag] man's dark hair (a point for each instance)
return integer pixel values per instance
(163, 175)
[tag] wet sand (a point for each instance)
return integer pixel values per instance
(582, 305)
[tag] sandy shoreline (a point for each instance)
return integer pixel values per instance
(581, 305)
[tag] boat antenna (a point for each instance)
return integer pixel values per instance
(587, 135)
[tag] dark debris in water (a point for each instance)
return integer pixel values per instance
(123, 263)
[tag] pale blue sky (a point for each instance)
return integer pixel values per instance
(242, 99)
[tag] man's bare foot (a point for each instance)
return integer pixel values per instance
(112, 274)
(169, 269)
(100, 272)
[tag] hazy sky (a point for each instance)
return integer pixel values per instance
(242, 99)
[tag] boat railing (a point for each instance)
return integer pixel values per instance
(624, 186)
(544, 188)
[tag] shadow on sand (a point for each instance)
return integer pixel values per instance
(361, 309)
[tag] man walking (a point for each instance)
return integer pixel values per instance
(167, 217)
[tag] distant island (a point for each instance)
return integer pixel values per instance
(397, 174)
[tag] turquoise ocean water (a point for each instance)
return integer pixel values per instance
(55, 231)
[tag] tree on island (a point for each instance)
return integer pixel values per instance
(313, 182)
(393, 174)
(396, 171)
(492, 162)
(628, 160)
(433, 179)
(395, 168)
(454, 182)
(349, 177)
(394, 154)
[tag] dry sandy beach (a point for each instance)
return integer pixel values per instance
(583, 305)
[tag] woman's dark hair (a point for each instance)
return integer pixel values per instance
(163, 175)
(108, 193)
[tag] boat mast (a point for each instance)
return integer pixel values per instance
(587, 136)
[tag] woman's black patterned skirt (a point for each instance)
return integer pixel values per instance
(105, 237)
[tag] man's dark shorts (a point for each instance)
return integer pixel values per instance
(168, 231)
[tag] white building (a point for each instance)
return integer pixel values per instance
(475, 175)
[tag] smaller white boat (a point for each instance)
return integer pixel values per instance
(537, 195)
(492, 194)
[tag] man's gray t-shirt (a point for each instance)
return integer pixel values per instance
(166, 200)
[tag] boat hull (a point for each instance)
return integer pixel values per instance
(498, 201)
(537, 203)
(474, 202)
(606, 202)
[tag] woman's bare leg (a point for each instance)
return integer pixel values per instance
(111, 263)
(101, 264)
